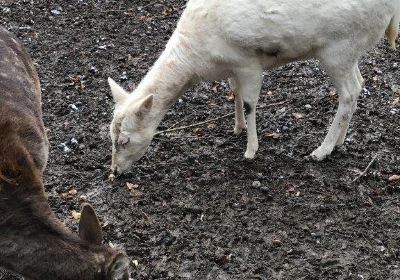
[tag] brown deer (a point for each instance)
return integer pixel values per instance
(33, 242)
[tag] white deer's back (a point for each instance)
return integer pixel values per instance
(291, 27)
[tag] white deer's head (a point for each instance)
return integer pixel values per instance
(131, 129)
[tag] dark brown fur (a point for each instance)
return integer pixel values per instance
(33, 242)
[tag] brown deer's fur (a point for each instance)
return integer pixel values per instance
(33, 242)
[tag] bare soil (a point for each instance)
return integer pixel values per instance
(197, 209)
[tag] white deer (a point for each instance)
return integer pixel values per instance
(237, 39)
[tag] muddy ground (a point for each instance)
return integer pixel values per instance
(197, 209)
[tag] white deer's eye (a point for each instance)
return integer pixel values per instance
(123, 139)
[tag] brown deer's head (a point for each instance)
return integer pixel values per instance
(117, 266)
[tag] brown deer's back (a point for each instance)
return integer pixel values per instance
(20, 102)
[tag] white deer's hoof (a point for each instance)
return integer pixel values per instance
(250, 154)
(318, 154)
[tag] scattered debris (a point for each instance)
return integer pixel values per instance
(298, 116)
(134, 189)
(273, 135)
(215, 119)
(123, 77)
(55, 12)
(211, 126)
(256, 184)
(230, 96)
(70, 194)
(73, 107)
(75, 215)
(64, 147)
(366, 169)
(394, 178)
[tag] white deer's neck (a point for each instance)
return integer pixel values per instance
(168, 79)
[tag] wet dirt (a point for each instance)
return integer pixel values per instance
(195, 208)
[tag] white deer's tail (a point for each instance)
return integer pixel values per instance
(392, 31)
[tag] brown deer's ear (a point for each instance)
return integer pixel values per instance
(89, 226)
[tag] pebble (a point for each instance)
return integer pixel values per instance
(55, 12)
(256, 184)
(93, 70)
(123, 77)
(73, 107)
(308, 106)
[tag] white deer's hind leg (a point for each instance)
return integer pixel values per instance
(358, 86)
(240, 122)
(249, 81)
(348, 88)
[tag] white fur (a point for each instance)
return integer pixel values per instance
(237, 39)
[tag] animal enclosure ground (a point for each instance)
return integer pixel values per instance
(193, 207)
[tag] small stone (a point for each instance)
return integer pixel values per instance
(256, 184)
(123, 77)
(308, 106)
(73, 107)
(55, 12)
(93, 70)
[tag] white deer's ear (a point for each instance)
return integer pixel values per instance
(146, 104)
(142, 107)
(118, 93)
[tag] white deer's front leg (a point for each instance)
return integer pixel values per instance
(249, 82)
(240, 122)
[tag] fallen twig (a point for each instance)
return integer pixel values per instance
(366, 169)
(213, 120)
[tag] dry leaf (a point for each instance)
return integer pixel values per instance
(134, 189)
(135, 262)
(396, 101)
(212, 125)
(273, 135)
(230, 96)
(136, 193)
(70, 194)
(75, 215)
(198, 131)
(298, 116)
(131, 186)
(394, 178)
